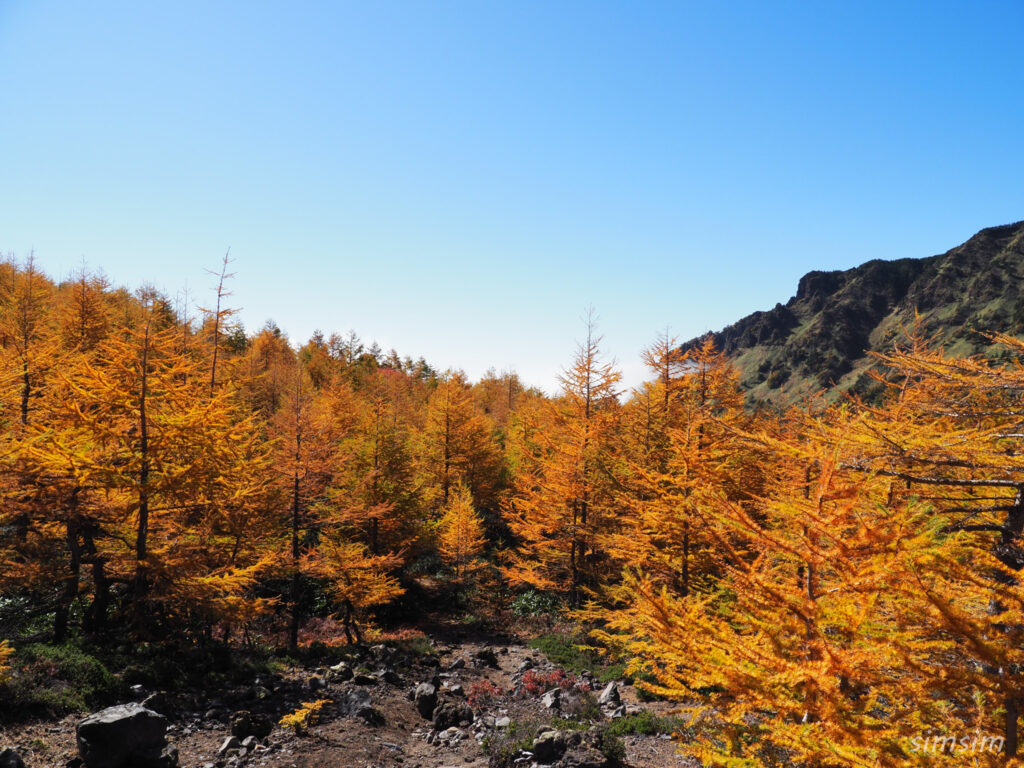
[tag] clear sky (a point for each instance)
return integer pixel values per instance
(460, 180)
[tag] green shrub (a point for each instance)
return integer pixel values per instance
(56, 680)
(502, 747)
(570, 653)
(534, 603)
(611, 746)
(644, 723)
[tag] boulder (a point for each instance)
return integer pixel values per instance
(486, 657)
(10, 759)
(552, 699)
(245, 724)
(583, 757)
(425, 697)
(452, 714)
(610, 696)
(548, 747)
(357, 703)
(341, 672)
(125, 736)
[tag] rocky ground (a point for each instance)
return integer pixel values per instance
(471, 703)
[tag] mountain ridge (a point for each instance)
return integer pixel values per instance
(820, 340)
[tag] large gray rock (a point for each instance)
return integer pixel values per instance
(425, 697)
(340, 672)
(548, 747)
(246, 723)
(486, 657)
(610, 696)
(125, 736)
(10, 759)
(451, 714)
(552, 699)
(357, 703)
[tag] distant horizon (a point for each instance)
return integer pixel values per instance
(251, 328)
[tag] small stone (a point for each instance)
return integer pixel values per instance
(230, 743)
(502, 722)
(459, 663)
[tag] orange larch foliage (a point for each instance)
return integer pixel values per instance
(457, 445)
(461, 536)
(563, 510)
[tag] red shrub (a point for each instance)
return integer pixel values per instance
(482, 692)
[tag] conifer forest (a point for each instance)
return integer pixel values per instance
(825, 583)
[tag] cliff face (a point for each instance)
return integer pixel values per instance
(819, 339)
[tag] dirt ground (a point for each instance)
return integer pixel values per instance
(397, 736)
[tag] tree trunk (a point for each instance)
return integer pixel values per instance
(293, 629)
(96, 614)
(70, 591)
(1010, 745)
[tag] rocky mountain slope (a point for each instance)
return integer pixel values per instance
(818, 340)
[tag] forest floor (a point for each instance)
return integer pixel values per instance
(372, 716)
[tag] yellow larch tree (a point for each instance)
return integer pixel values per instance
(171, 477)
(563, 508)
(457, 445)
(461, 537)
(868, 605)
(374, 495)
(309, 428)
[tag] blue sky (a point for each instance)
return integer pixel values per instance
(460, 180)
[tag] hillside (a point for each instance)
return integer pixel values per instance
(819, 339)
